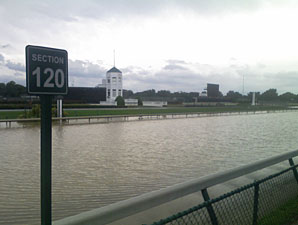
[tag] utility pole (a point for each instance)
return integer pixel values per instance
(243, 85)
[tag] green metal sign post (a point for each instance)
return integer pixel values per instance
(46, 75)
(46, 159)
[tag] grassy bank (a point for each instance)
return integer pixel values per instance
(136, 111)
(10, 114)
(286, 215)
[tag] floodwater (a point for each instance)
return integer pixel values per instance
(98, 164)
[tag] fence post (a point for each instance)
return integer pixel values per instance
(256, 203)
(294, 168)
(209, 207)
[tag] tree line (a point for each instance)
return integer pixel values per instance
(269, 95)
(11, 89)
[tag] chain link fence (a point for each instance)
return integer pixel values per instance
(249, 204)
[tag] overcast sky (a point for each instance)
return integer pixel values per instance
(176, 45)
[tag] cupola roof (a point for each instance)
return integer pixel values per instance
(114, 69)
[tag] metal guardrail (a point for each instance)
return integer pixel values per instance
(251, 204)
(146, 201)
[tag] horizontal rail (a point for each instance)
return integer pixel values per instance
(19, 120)
(146, 201)
(110, 116)
(141, 115)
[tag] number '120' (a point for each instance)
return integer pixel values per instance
(54, 79)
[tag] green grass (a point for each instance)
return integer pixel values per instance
(285, 215)
(10, 114)
(136, 111)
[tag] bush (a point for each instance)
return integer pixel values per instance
(33, 113)
(120, 101)
(36, 111)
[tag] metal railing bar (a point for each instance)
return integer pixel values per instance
(294, 169)
(181, 214)
(210, 209)
(276, 174)
(251, 185)
(207, 203)
(146, 201)
(256, 203)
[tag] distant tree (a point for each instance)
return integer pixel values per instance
(184, 96)
(127, 93)
(288, 97)
(140, 102)
(269, 95)
(233, 95)
(2, 89)
(163, 93)
(147, 93)
(11, 90)
(20, 89)
(120, 101)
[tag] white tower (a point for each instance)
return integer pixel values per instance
(253, 102)
(113, 84)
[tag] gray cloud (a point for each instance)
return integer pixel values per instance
(136, 70)
(5, 46)
(83, 82)
(196, 78)
(175, 61)
(175, 65)
(15, 66)
(85, 73)
(46, 17)
(17, 77)
(12, 65)
(284, 81)
(68, 10)
(11, 71)
(85, 69)
(173, 77)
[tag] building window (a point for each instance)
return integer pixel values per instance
(109, 93)
(114, 79)
(119, 79)
(109, 81)
(119, 92)
(114, 93)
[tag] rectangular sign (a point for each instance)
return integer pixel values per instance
(46, 71)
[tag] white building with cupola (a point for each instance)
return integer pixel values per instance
(113, 83)
(114, 86)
